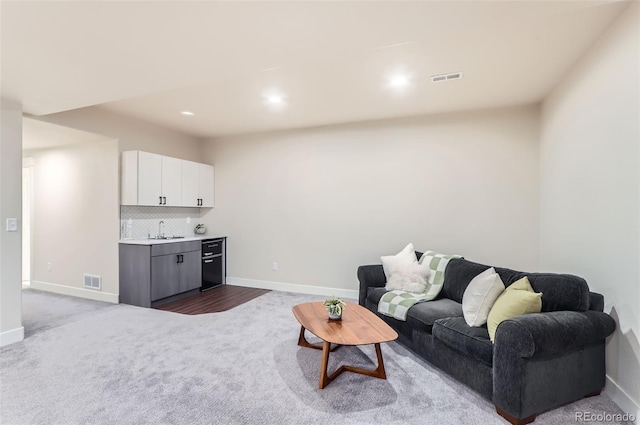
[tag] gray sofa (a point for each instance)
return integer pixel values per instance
(539, 361)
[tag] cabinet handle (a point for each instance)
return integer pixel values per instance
(160, 200)
(180, 258)
(208, 261)
(164, 200)
(206, 254)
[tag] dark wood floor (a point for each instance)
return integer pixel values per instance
(215, 300)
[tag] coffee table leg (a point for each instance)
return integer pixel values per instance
(324, 379)
(380, 372)
(302, 342)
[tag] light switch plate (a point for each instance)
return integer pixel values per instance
(12, 225)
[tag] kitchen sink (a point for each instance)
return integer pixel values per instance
(164, 238)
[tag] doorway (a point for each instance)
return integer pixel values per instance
(27, 197)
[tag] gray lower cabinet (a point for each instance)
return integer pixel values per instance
(150, 273)
(165, 276)
(191, 271)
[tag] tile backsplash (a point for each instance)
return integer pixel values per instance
(145, 220)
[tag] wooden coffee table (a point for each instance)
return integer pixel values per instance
(358, 326)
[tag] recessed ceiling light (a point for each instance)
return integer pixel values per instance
(399, 81)
(187, 113)
(275, 99)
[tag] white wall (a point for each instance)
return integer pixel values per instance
(89, 217)
(323, 201)
(590, 189)
(76, 218)
(133, 134)
(10, 207)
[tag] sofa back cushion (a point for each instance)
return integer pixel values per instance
(559, 291)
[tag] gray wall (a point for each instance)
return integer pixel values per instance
(10, 207)
(590, 189)
(322, 201)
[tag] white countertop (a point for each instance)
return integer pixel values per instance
(162, 241)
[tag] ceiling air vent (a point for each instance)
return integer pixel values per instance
(446, 77)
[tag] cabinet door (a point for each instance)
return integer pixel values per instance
(149, 178)
(165, 276)
(205, 185)
(190, 271)
(172, 181)
(190, 176)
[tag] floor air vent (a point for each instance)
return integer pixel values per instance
(92, 281)
(446, 77)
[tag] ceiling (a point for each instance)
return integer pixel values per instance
(42, 135)
(330, 61)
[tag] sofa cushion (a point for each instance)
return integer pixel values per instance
(460, 272)
(374, 295)
(471, 341)
(421, 316)
(560, 291)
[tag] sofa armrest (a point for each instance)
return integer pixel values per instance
(596, 301)
(371, 276)
(552, 332)
(545, 360)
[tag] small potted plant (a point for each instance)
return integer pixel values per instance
(200, 229)
(334, 306)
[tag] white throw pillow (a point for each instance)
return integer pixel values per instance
(480, 295)
(404, 258)
(410, 278)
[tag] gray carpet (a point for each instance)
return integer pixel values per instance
(87, 362)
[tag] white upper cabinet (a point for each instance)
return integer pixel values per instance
(197, 184)
(151, 179)
(205, 184)
(190, 190)
(171, 181)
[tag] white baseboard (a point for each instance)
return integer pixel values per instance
(75, 292)
(621, 398)
(292, 287)
(9, 337)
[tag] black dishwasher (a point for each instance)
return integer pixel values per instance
(212, 263)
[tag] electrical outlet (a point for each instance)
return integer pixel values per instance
(274, 266)
(49, 266)
(188, 220)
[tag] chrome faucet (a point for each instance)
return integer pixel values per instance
(160, 234)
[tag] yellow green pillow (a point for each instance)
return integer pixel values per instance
(521, 285)
(518, 299)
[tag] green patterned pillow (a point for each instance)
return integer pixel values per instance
(437, 265)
